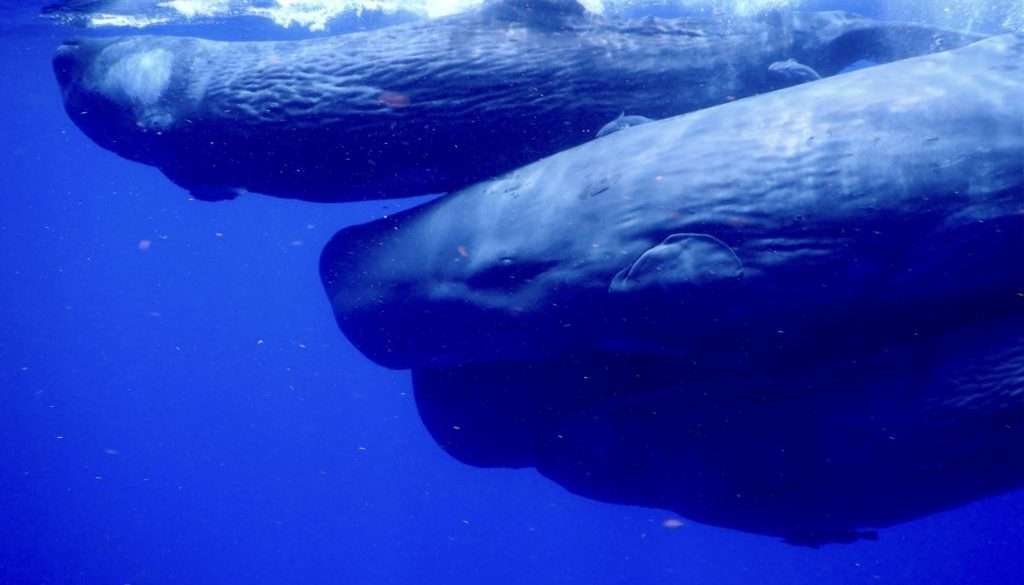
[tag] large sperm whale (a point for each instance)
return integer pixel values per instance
(433, 106)
(886, 196)
(799, 314)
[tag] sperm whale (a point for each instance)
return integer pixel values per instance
(433, 106)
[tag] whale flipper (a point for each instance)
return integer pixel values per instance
(213, 192)
(790, 72)
(815, 539)
(681, 260)
(621, 123)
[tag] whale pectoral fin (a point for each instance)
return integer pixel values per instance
(214, 193)
(789, 73)
(816, 539)
(680, 261)
(201, 191)
(621, 123)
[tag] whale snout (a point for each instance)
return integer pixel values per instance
(73, 57)
(111, 91)
(66, 64)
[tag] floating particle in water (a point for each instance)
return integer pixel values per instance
(145, 245)
(672, 523)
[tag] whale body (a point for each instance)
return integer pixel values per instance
(799, 314)
(828, 452)
(432, 106)
(854, 202)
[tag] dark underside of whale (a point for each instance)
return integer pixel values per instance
(823, 451)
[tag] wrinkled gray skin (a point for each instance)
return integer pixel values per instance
(879, 202)
(432, 106)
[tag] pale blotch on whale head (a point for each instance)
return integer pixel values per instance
(141, 78)
(124, 93)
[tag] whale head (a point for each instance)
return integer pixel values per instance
(122, 95)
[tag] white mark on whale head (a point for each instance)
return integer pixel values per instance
(141, 78)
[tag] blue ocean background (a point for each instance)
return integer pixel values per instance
(178, 406)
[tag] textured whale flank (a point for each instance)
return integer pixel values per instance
(432, 106)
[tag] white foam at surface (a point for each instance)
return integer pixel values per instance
(317, 14)
(194, 8)
(101, 20)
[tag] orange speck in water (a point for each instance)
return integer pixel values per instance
(393, 99)
(463, 251)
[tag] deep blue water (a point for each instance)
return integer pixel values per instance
(186, 411)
